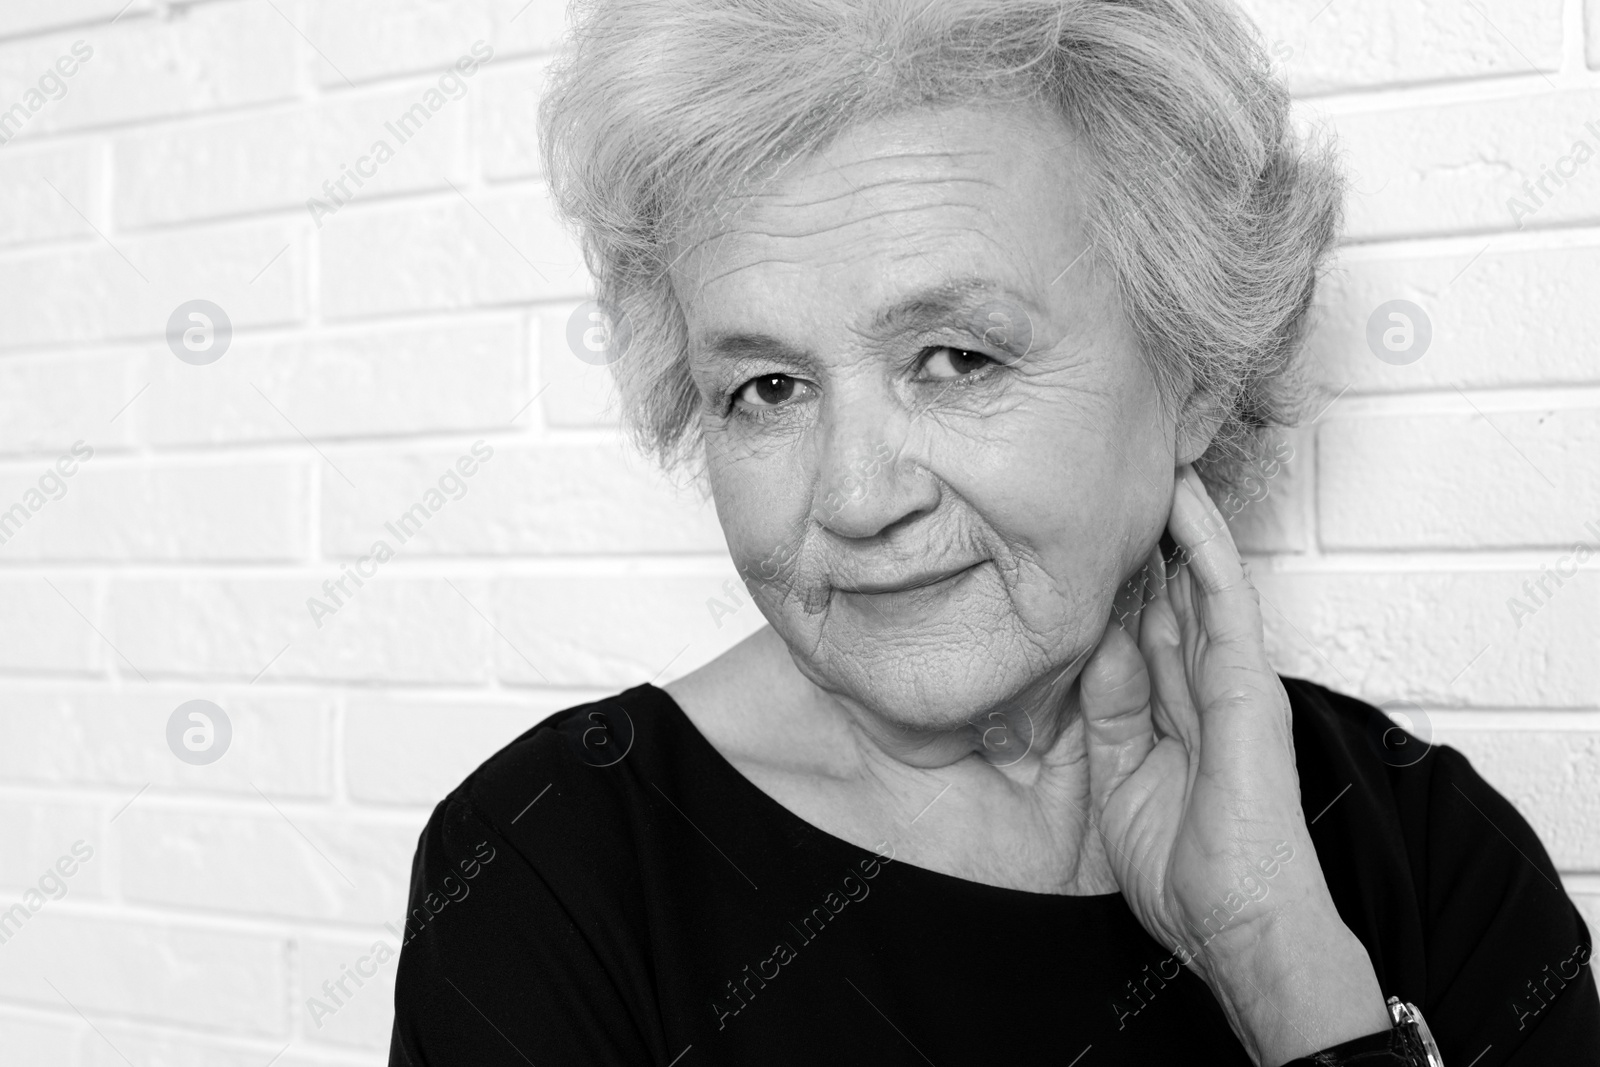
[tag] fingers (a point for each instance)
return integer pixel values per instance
(1221, 595)
(1201, 532)
(1218, 613)
(1114, 696)
(1161, 644)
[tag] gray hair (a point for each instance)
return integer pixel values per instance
(1212, 214)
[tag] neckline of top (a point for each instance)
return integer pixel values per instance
(726, 768)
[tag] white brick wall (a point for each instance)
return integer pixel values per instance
(377, 344)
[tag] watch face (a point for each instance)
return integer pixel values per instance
(1408, 1014)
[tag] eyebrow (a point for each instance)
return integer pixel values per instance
(933, 305)
(938, 304)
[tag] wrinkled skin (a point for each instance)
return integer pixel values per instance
(888, 453)
(937, 453)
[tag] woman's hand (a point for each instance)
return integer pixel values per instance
(1193, 784)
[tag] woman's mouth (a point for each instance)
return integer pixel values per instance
(925, 580)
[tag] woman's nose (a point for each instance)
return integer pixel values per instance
(870, 478)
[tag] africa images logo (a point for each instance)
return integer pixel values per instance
(336, 992)
(51, 885)
(451, 85)
(852, 886)
(451, 485)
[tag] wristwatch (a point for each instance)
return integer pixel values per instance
(1408, 1043)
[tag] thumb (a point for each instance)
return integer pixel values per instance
(1114, 697)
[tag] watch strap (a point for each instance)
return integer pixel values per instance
(1399, 1046)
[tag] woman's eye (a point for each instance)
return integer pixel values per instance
(946, 363)
(770, 390)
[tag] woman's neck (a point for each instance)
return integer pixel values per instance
(1002, 799)
(1018, 737)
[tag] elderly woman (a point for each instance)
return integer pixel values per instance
(965, 311)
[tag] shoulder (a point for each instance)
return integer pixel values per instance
(561, 757)
(1390, 748)
(526, 890)
(1393, 751)
(563, 798)
(1324, 716)
(551, 826)
(1441, 877)
(1388, 760)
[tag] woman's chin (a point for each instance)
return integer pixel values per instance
(936, 686)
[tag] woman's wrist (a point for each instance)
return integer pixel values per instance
(1295, 983)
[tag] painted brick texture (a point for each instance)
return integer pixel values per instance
(1421, 544)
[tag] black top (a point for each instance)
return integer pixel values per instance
(608, 889)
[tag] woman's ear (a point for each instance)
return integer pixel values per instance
(1197, 427)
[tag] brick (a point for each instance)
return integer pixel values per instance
(464, 375)
(94, 736)
(1435, 638)
(426, 331)
(509, 105)
(46, 629)
(366, 39)
(35, 1041)
(36, 835)
(48, 402)
(1453, 480)
(1368, 43)
(538, 27)
(492, 248)
(241, 511)
(370, 39)
(38, 212)
(1267, 513)
(1589, 906)
(32, 16)
(209, 979)
(403, 749)
(201, 58)
(534, 500)
(122, 1045)
(1591, 24)
(352, 1014)
(1508, 317)
(576, 393)
(1549, 775)
(254, 272)
(1460, 166)
(611, 631)
(395, 628)
(283, 159)
(283, 862)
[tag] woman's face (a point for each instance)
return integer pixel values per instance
(933, 443)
